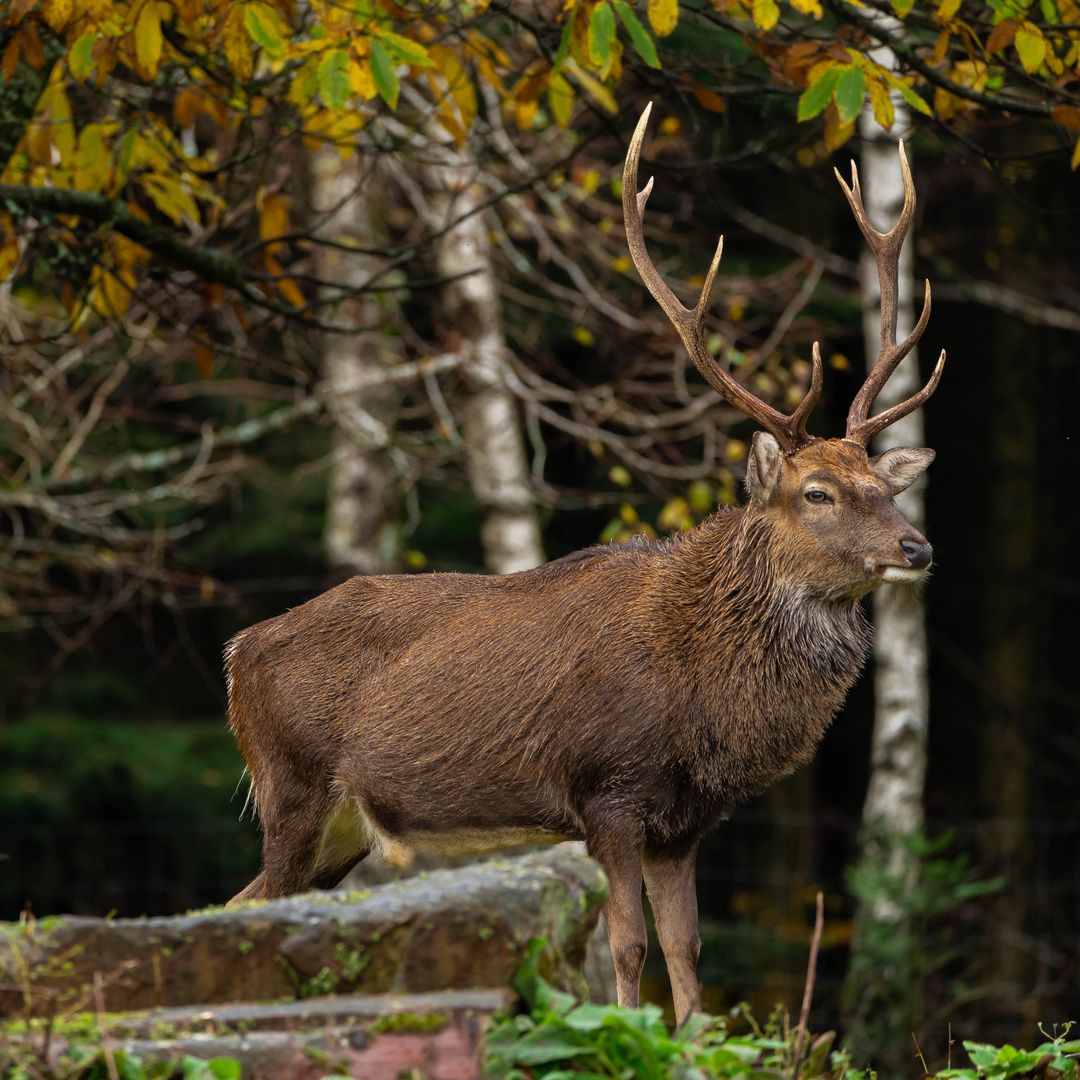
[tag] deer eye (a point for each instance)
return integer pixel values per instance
(814, 495)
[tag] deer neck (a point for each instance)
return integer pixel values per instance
(765, 660)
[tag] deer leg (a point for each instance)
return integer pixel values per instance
(327, 877)
(254, 891)
(670, 882)
(621, 863)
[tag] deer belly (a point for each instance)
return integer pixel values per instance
(352, 829)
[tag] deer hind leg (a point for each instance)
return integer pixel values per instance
(300, 843)
(621, 862)
(670, 881)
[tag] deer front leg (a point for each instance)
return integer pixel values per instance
(621, 862)
(670, 881)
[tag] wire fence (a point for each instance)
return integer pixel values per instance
(996, 965)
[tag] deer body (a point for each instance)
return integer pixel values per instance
(630, 695)
(450, 710)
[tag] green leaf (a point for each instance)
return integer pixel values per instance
(405, 49)
(909, 95)
(902, 7)
(334, 77)
(819, 93)
(850, 90)
(264, 27)
(639, 36)
(564, 44)
(382, 70)
(224, 1068)
(601, 35)
(81, 57)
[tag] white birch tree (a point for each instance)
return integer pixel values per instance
(880, 986)
(361, 535)
(493, 446)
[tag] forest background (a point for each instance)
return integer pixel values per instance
(297, 291)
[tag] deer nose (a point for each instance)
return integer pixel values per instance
(919, 554)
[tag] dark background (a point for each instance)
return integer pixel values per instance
(120, 787)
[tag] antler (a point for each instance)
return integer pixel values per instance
(789, 430)
(886, 249)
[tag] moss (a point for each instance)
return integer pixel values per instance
(325, 982)
(349, 896)
(352, 962)
(245, 947)
(325, 1061)
(486, 933)
(409, 1024)
(240, 905)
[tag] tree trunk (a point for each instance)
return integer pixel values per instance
(361, 534)
(881, 982)
(498, 469)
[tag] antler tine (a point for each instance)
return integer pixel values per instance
(810, 398)
(886, 248)
(790, 431)
(862, 433)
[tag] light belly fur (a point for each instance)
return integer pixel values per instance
(350, 831)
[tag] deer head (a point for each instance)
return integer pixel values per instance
(831, 502)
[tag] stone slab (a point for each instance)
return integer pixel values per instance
(451, 929)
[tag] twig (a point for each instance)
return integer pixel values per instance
(808, 992)
(99, 1004)
(918, 1050)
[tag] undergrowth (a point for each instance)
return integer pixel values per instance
(562, 1039)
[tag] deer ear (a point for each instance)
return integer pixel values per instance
(762, 466)
(901, 466)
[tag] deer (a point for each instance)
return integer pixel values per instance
(630, 695)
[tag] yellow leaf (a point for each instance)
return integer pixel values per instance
(560, 99)
(9, 259)
(881, 101)
(148, 40)
(941, 46)
(39, 146)
(289, 289)
(1031, 47)
(57, 13)
(273, 220)
(948, 9)
(1075, 156)
(593, 87)
(808, 7)
(237, 44)
(527, 93)
(361, 81)
(765, 14)
(663, 16)
(457, 81)
(836, 132)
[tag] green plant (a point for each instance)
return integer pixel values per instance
(560, 1039)
(91, 1061)
(1057, 1058)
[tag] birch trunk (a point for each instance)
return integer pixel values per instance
(361, 534)
(498, 469)
(880, 989)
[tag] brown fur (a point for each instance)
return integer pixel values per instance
(629, 695)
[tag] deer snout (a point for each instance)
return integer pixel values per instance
(918, 553)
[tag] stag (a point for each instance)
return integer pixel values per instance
(630, 695)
